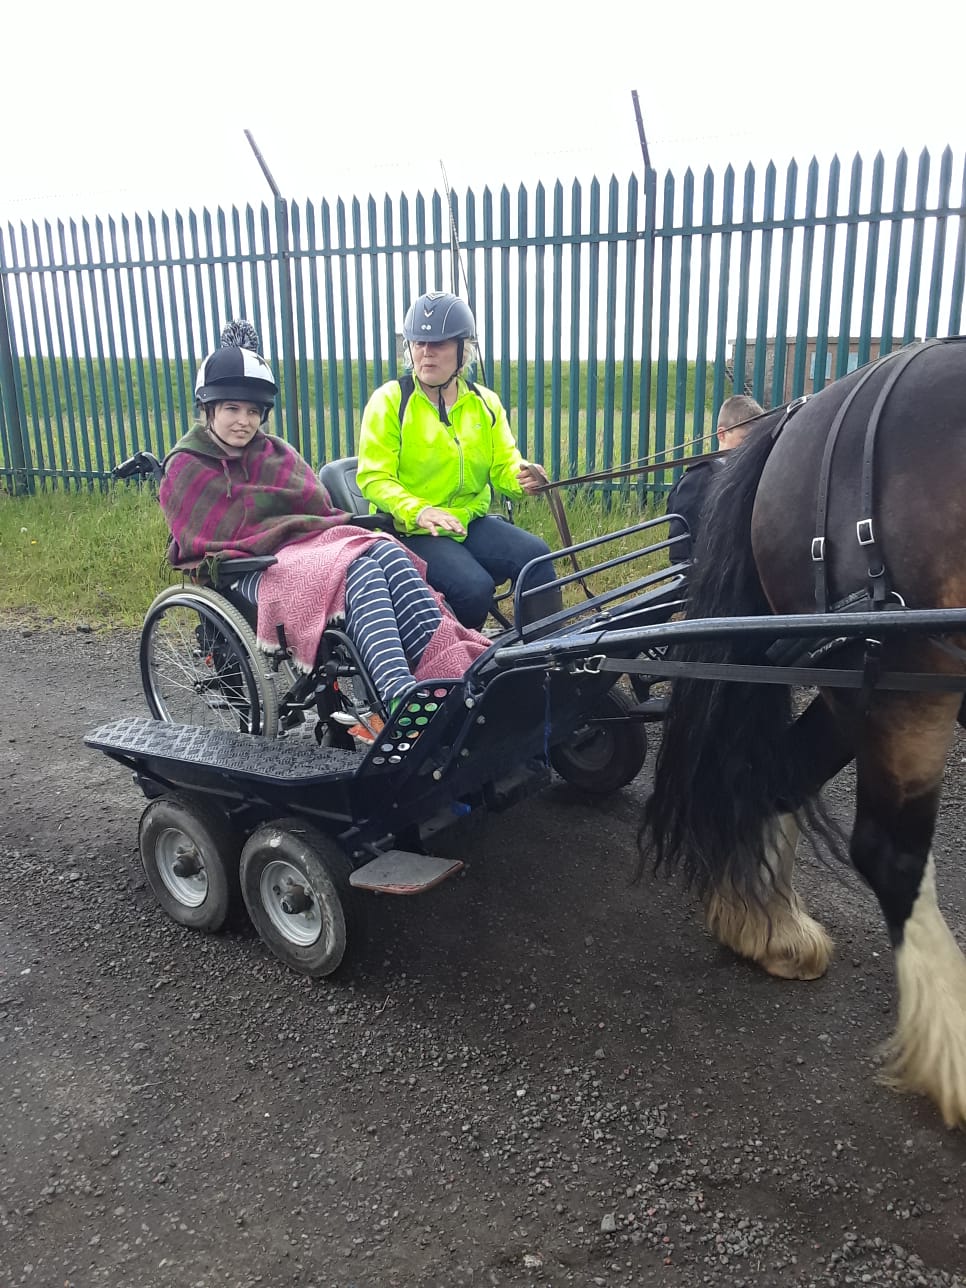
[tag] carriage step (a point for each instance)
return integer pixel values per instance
(283, 760)
(402, 872)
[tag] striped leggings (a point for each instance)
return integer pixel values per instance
(390, 614)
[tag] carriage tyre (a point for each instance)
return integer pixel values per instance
(190, 858)
(603, 758)
(200, 664)
(295, 883)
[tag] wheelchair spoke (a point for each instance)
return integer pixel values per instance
(195, 668)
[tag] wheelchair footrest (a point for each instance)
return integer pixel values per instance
(402, 872)
(156, 743)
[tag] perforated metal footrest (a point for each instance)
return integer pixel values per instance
(155, 743)
(402, 872)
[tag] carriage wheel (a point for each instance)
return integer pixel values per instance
(295, 883)
(200, 665)
(602, 758)
(190, 857)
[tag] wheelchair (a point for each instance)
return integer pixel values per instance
(200, 664)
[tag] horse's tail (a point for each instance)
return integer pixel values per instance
(723, 769)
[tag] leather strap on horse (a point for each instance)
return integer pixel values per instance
(824, 481)
(865, 529)
(878, 588)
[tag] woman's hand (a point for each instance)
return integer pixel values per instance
(435, 521)
(531, 477)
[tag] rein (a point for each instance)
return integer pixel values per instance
(648, 465)
(550, 489)
(645, 465)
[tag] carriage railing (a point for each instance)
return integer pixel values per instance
(657, 587)
(614, 650)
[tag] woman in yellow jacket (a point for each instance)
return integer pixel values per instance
(431, 447)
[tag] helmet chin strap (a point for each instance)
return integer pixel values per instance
(443, 414)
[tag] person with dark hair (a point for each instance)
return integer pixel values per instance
(231, 490)
(688, 496)
(433, 447)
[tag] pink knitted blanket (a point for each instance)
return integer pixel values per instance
(305, 591)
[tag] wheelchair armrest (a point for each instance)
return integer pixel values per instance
(379, 520)
(228, 569)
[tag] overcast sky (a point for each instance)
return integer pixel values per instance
(114, 108)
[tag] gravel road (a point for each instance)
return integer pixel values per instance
(537, 1074)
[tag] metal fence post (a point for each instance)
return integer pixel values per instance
(289, 368)
(20, 461)
(647, 319)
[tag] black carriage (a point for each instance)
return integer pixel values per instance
(296, 794)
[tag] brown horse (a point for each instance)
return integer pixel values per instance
(863, 490)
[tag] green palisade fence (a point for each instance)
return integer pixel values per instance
(614, 318)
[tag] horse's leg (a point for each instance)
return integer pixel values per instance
(900, 766)
(770, 924)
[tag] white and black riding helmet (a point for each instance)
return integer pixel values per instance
(237, 370)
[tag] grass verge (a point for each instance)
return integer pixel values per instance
(97, 559)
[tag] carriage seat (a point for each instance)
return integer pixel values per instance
(338, 477)
(339, 480)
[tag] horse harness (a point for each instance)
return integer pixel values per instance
(877, 592)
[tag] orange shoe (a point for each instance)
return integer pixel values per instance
(376, 725)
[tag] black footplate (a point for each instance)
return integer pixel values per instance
(138, 740)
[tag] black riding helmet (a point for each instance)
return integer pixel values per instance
(237, 370)
(436, 317)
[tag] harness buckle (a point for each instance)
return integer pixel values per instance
(587, 665)
(865, 533)
(818, 549)
(794, 405)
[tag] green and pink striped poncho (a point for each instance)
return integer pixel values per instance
(219, 506)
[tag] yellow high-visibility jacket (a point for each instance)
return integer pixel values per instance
(404, 468)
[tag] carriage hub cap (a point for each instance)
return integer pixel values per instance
(291, 903)
(181, 868)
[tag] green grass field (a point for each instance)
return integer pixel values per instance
(97, 559)
(75, 553)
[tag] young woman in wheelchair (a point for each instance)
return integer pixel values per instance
(232, 490)
(432, 449)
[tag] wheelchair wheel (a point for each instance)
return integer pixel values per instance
(200, 665)
(601, 758)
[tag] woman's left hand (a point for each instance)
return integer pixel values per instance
(531, 477)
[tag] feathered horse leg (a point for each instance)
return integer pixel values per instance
(767, 921)
(769, 924)
(899, 777)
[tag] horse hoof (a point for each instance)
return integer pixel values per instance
(785, 968)
(799, 949)
(788, 944)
